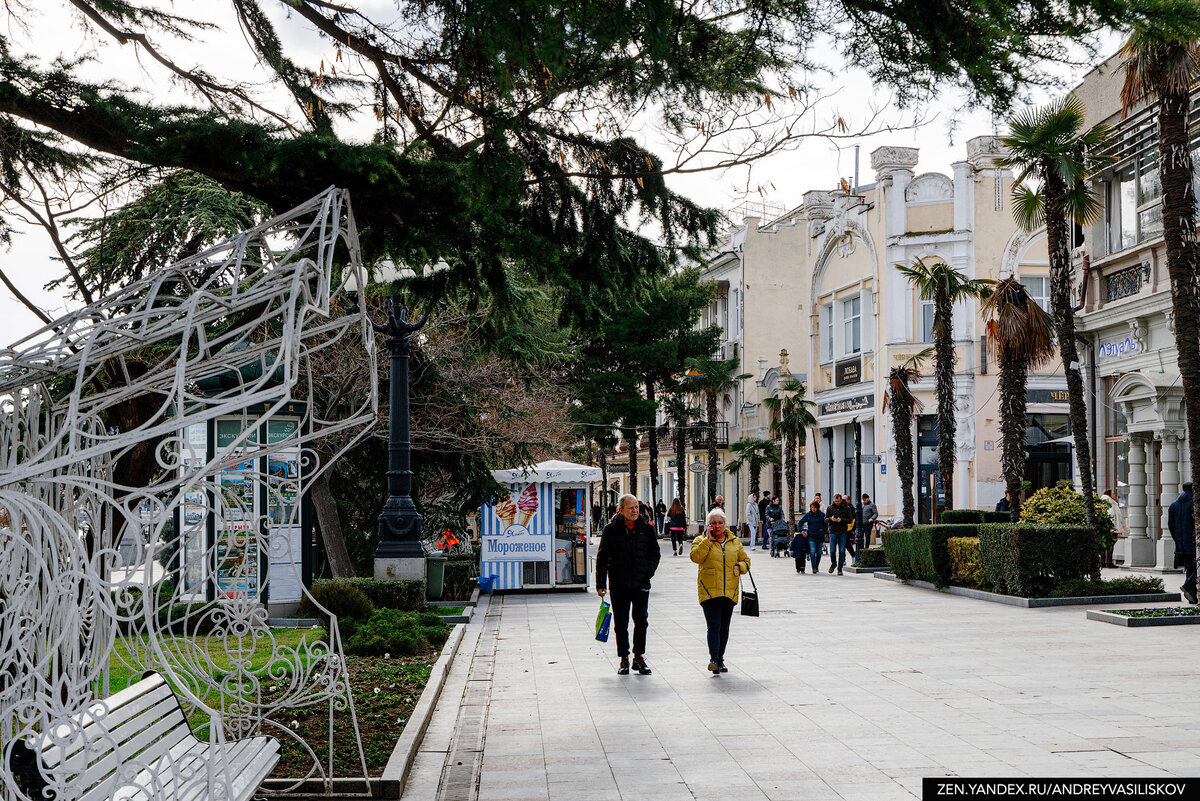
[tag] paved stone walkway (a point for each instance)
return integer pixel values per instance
(845, 688)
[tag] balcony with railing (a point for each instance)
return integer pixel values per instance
(697, 435)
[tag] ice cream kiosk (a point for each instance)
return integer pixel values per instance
(535, 536)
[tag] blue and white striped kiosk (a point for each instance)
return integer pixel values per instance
(535, 537)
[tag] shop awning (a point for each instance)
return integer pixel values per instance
(551, 471)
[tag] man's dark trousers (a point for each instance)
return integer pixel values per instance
(625, 601)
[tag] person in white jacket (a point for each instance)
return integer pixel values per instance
(1118, 517)
(753, 519)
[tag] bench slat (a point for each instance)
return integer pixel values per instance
(147, 724)
(116, 727)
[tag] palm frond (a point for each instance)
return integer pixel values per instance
(1029, 207)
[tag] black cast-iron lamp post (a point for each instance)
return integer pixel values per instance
(399, 523)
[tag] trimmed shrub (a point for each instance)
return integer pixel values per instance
(966, 569)
(976, 516)
(1029, 561)
(457, 585)
(408, 595)
(342, 599)
(920, 552)
(872, 557)
(1125, 585)
(1063, 506)
(391, 631)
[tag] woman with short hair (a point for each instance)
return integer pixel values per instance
(722, 560)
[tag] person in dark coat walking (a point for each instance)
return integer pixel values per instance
(625, 562)
(660, 513)
(814, 522)
(1183, 530)
(676, 526)
(840, 519)
(762, 516)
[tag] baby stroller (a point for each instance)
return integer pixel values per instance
(779, 537)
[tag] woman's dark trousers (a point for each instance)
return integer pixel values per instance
(718, 612)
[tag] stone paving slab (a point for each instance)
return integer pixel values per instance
(845, 688)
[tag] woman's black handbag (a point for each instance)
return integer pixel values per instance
(750, 598)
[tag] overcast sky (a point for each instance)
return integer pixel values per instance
(780, 179)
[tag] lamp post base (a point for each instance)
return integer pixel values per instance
(404, 568)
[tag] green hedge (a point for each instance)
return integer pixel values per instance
(966, 568)
(976, 516)
(872, 557)
(457, 585)
(921, 552)
(406, 595)
(1029, 560)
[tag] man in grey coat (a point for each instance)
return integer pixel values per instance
(870, 513)
(1183, 530)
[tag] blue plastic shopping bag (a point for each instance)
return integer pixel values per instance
(603, 620)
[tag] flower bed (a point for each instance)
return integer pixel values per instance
(1142, 618)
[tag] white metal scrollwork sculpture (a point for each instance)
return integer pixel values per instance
(155, 451)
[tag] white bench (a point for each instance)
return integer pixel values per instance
(139, 747)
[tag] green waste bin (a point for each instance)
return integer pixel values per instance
(435, 576)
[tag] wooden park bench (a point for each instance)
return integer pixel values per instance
(145, 724)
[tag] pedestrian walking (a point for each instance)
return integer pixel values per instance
(718, 503)
(762, 516)
(753, 518)
(660, 513)
(779, 530)
(840, 520)
(870, 514)
(625, 562)
(1183, 531)
(676, 526)
(814, 522)
(722, 560)
(597, 520)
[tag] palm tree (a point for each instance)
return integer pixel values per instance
(1020, 337)
(945, 286)
(711, 378)
(1165, 66)
(900, 401)
(679, 414)
(755, 454)
(791, 417)
(1050, 147)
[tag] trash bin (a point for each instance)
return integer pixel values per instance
(485, 584)
(435, 576)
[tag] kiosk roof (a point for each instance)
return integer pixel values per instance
(552, 471)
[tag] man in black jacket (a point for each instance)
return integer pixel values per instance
(1183, 531)
(625, 563)
(762, 517)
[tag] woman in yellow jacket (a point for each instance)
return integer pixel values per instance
(722, 561)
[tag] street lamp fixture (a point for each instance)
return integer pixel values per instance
(400, 554)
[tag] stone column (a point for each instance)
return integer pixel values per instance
(1164, 551)
(1139, 550)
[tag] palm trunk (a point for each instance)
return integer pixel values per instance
(603, 483)
(1059, 246)
(901, 404)
(944, 368)
(1183, 256)
(789, 468)
(653, 446)
(1013, 378)
(590, 488)
(681, 462)
(712, 447)
(631, 438)
(755, 476)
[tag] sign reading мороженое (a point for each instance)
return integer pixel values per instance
(518, 543)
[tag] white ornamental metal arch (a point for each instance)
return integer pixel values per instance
(99, 419)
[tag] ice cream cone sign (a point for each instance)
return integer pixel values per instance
(506, 510)
(527, 504)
